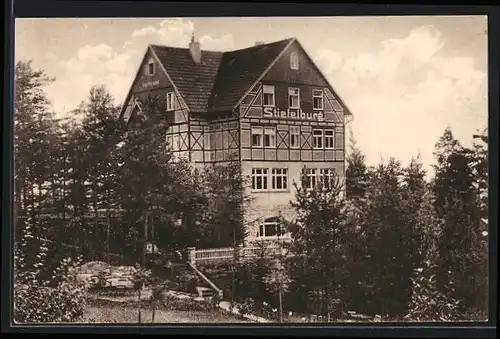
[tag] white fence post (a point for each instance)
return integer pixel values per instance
(191, 255)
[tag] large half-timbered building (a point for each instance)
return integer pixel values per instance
(268, 104)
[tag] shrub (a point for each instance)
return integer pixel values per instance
(187, 281)
(38, 300)
(427, 303)
(248, 307)
(188, 304)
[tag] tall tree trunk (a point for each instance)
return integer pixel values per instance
(64, 192)
(153, 311)
(24, 194)
(280, 295)
(144, 240)
(139, 304)
(95, 237)
(17, 207)
(108, 226)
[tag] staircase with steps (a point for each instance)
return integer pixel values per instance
(183, 276)
(173, 267)
(195, 283)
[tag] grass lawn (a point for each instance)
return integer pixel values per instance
(129, 314)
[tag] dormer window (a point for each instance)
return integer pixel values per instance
(294, 60)
(150, 69)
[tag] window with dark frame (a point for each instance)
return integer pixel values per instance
(293, 97)
(310, 178)
(279, 179)
(271, 227)
(268, 95)
(270, 137)
(329, 139)
(259, 179)
(318, 138)
(327, 176)
(317, 99)
(294, 136)
(256, 136)
(151, 68)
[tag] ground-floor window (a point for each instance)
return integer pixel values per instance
(271, 227)
(310, 178)
(314, 176)
(259, 179)
(277, 176)
(279, 179)
(327, 177)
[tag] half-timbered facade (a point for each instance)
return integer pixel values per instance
(267, 105)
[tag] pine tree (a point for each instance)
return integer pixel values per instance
(356, 172)
(357, 185)
(156, 183)
(33, 130)
(420, 223)
(317, 237)
(456, 204)
(446, 146)
(479, 165)
(100, 127)
(143, 160)
(388, 260)
(227, 201)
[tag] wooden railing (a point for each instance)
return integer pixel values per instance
(229, 253)
(256, 252)
(215, 254)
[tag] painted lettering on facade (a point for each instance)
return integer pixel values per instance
(274, 112)
(149, 84)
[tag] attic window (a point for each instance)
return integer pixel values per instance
(170, 101)
(150, 70)
(294, 60)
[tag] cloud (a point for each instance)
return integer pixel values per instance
(101, 64)
(405, 94)
(51, 56)
(177, 33)
(91, 66)
(149, 30)
(328, 60)
(221, 43)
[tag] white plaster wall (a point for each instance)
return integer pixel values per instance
(266, 204)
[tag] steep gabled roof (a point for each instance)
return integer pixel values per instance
(222, 79)
(347, 111)
(193, 81)
(239, 71)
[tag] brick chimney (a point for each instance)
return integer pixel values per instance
(195, 50)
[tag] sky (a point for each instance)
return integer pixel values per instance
(405, 79)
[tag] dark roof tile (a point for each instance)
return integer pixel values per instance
(239, 70)
(194, 81)
(222, 78)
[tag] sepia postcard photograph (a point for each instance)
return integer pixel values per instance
(250, 170)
